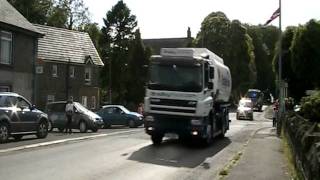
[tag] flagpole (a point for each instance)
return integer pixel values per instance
(280, 63)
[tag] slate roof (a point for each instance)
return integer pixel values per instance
(157, 44)
(61, 45)
(9, 15)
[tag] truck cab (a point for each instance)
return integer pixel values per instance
(183, 94)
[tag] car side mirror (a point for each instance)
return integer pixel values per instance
(33, 107)
(210, 85)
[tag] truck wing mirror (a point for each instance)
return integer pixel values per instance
(211, 72)
(210, 85)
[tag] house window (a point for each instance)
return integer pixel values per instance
(71, 71)
(39, 69)
(5, 47)
(54, 71)
(84, 101)
(50, 98)
(93, 101)
(5, 89)
(87, 75)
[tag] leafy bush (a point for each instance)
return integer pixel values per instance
(310, 107)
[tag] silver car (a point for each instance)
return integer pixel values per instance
(83, 119)
(245, 109)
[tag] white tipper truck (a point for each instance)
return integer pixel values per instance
(187, 94)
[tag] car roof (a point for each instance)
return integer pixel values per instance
(8, 94)
(119, 106)
(245, 100)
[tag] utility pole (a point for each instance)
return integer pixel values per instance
(281, 99)
(110, 82)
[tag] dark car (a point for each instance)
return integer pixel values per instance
(119, 115)
(18, 117)
(82, 119)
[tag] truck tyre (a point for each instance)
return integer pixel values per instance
(208, 139)
(156, 139)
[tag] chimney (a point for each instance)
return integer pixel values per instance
(189, 33)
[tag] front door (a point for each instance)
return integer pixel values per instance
(28, 117)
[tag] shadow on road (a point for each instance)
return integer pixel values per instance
(173, 153)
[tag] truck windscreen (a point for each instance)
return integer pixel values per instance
(176, 77)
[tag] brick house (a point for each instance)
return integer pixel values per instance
(18, 52)
(68, 66)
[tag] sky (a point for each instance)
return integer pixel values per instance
(171, 18)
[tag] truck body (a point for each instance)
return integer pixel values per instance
(256, 97)
(187, 94)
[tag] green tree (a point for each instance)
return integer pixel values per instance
(70, 14)
(116, 36)
(264, 39)
(138, 63)
(35, 11)
(230, 41)
(95, 34)
(305, 52)
(241, 59)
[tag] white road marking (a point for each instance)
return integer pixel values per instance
(63, 140)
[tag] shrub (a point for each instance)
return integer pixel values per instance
(310, 107)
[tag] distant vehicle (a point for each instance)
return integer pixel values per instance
(297, 108)
(256, 97)
(18, 118)
(119, 115)
(245, 109)
(83, 119)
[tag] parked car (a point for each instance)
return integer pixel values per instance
(119, 115)
(82, 119)
(245, 109)
(18, 118)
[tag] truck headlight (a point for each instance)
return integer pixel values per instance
(150, 118)
(196, 121)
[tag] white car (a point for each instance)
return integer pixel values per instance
(245, 109)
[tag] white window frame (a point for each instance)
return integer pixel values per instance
(2, 39)
(93, 101)
(50, 98)
(39, 69)
(87, 70)
(71, 71)
(84, 101)
(54, 70)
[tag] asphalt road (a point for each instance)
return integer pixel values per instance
(124, 153)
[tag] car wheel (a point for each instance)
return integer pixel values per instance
(17, 137)
(60, 129)
(50, 127)
(4, 132)
(237, 116)
(132, 124)
(83, 127)
(94, 129)
(42, 130)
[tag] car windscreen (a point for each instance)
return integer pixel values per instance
(176, 77)
(80, 107)
(245, 104)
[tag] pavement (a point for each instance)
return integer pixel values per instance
(262, 158)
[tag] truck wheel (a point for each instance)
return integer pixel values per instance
(208, 139)
(156, 139)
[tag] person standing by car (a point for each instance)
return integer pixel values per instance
(140, 109)
(69, 114)
(274, 117)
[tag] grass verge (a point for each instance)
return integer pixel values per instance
(293, 172)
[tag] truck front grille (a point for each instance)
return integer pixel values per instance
(170, 106)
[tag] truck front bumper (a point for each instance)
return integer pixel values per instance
(162, 124)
